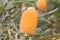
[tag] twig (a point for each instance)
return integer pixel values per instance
(14, 25)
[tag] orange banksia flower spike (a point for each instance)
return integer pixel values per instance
(42, 5)
(28, 21)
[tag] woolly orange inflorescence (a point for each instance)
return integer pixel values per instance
(28, 21)
(42, 5)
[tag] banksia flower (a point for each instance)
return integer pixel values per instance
(42, 5)
(28, 21)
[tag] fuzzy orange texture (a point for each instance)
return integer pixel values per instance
(28, 21)
(42, 5)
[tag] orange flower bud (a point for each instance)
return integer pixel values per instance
(28, 21)
(42, 5)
